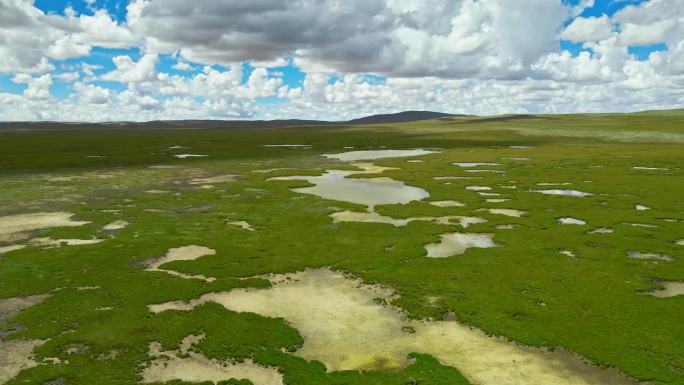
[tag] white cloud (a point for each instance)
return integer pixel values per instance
(38, 87)
(129, 71)
(90, 94)
(584, 29)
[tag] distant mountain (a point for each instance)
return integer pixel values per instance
(399, 117)
(406, 116)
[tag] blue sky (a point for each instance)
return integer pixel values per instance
(308, 68)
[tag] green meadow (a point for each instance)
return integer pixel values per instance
(546, 286)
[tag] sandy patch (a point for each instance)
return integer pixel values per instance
(571, 221)
(374, 217)
(647, 225)
(649, 256)
(214, 179)
(116, 225)
(507, 212)
(16, 355)
(506, 227)
(49, 242)
(641, 207)
(13, 226)
(185, 253)
(478, 188)
(649, 168)
(415, 161)
(189, 366)
(7, 249)
(497, 200)
(243, 224)
(553, 184)
(680, 242)
(447, 203)
(489, 194)
(670, 289)
(568, 253)
(457, 243)
(346, 328)
(265, 171)
(602, 230)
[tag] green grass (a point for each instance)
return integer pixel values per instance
(594, 304)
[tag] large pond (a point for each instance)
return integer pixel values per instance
(335, 185)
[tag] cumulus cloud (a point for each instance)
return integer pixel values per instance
(28, 36)
(129, 71)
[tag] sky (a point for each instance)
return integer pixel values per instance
(136, 60)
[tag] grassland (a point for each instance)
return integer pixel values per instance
(96, 325)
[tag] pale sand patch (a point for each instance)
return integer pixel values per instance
(507, 212)
(14, 225)
(415, 161)
(648, 225)
(670, 289)
(642, 208)
(649, 168)
(116, 225)
(568, 253)
(651, 256)
(570, 193)
(602, 230)
(374, 217)
(447, 203)
(478, 188)
(489, 194)
(189, 366)
(510, 187)
(243, 224)
(158, 192)
(185, 253)
(265, 171)
(554, 184)
(214, 179)
(571, 221)
(59, 242)
(680, 242)
(506, 227)
(497, 200)
(164, 166)
(16, 355)
(346, 328)
(370, 168)
(7, 249)
(457, 243)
